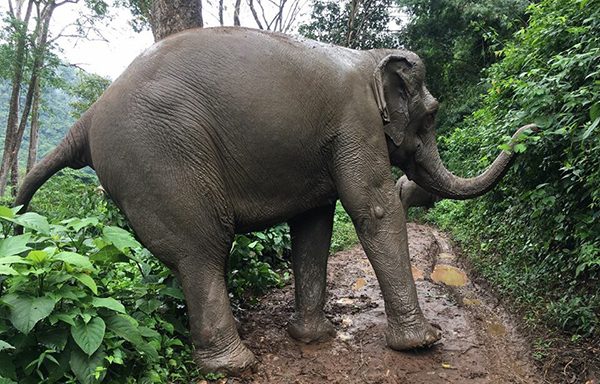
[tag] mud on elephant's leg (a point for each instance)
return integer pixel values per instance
(218, 345)
(311, 238)
(376, 210)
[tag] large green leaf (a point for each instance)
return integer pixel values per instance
(14, 245)
(13, 260)
(6, 270)
(87, 281)
(84, 366)
(120, 238)
(6, 212)
(74, 259)
(26, 311)
(109, 303)
(89, 335)
(54, 338)
(77, 224)
(125, 327)
(33, 221)
(128, 329)
(109, 254)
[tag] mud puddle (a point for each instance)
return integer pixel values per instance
(478, 345)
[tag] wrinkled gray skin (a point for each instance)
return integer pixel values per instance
(213, 132)
(411, 195)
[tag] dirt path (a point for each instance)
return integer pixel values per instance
(478, 345)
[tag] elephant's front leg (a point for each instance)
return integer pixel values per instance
(377, 213)
(311, 237)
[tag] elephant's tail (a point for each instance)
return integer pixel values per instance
(73, 152)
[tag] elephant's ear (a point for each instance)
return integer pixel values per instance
(391, 82)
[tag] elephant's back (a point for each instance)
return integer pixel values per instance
(254, 105)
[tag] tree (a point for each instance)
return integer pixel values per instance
(87, 90)
(165, 17)
(171, 16)
(361, 24)
(458, 38)
(31, 44)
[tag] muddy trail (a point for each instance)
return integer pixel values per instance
(478, 346)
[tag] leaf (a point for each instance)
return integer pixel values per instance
(74, 259)
(37, 257)
(595, 112)
(64, 318)
(176, 293)
(14, 245)
(6, 270)
(108, 302)
(6, 212)
(13, 260)
(33, 221)
(54, 338)
(520, 148)
(109, 254)
(89, 336)
(126, 328)
(26, 311)
(120, 238)
(590, 129)
(4, 345)
(84, 366)
(87, 281)
(78, 224)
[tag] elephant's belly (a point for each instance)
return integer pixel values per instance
(262, 208)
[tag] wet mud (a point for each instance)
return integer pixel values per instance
(478, 345)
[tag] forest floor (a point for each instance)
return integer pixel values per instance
(479, 343)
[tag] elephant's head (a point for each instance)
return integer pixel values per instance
(408, 111)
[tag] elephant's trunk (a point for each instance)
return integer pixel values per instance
(432, 175)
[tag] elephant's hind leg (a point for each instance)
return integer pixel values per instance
(311, 237)
(193, 237)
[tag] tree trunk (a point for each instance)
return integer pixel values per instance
(221, 20)
(171, 16)
(13, 110)
(236, 13)
(39, 54)
(35, 128)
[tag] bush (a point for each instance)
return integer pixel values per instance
(83, 302)
(537, 236)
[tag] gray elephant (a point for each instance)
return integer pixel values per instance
(411, 195)
(218, 131)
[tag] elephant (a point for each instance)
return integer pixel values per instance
(216, 131)
(411, 195)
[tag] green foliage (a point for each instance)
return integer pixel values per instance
(108, 276)
(363, 27)
(87, 90)
(84, 302)
(258, 261)
(537, 236)
(344, 235)
(458, 38)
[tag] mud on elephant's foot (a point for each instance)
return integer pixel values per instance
(311, 329)
(231, 363)
(417, 334)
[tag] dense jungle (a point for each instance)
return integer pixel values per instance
(511, 277)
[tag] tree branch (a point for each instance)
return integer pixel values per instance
(254, 14)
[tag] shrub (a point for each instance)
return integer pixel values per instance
(537, 236)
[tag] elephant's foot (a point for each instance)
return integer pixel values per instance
(416, 334)
(311, 329)
(230, 362)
